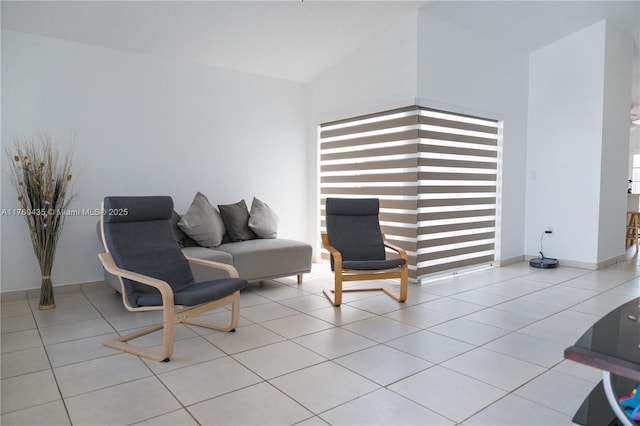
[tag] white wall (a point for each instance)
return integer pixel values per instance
(467, 72)
(143, 126)
(615, 143)
(460, 70)
(380, 75)
(577, 152)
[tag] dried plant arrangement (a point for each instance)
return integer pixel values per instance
(42, 178)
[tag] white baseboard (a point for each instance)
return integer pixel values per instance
(34, 293)
(587, 265)
(510, 261)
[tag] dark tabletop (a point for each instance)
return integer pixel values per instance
(612, 343)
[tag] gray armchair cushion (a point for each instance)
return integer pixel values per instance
(236, 221)
(353, 228)
(262, 220)
(142, 241)
(372, 265)
(203, 223)
(195, 294)
(128, 237)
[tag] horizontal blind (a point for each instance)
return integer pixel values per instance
(376, 156)
(435, 174)
(458, 181)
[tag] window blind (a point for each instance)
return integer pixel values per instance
(435, 173)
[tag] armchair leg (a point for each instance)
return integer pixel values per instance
(396, 297)
(121, 343)
(233, 299)
(404, 287)
(330, 295)
(168, 327)
(336, 297)
(404, 284)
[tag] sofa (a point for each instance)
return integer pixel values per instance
(235, 235)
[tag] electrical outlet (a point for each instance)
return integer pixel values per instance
(548, 230)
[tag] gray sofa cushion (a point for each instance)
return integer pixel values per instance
(262, 220)
(269, 258)
(208, 254)
(236, 221)
(203, 223)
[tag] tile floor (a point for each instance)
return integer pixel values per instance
(478, 349)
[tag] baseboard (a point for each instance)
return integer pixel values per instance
(509, 261)
(34, 293)
(612, 261)
(587, 265)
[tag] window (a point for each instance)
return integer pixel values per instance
(435, 173)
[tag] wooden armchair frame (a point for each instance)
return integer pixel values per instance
(172, 314)
(341, 275)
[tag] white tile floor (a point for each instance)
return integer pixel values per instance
(477, 349)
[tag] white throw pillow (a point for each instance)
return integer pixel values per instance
(262, 220)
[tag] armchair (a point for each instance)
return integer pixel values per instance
(357, 248)
(155, 275)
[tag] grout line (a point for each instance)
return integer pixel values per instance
(425, 289)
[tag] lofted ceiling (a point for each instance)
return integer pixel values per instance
(292, 40)
(530, 25)
(299, 40)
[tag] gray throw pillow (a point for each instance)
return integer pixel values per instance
(202, 223)
(262, 220)
(177, 232)
(236, 221)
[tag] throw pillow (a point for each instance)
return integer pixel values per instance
(202, 222)
(177, 232)
(236, 221)
(262, 220)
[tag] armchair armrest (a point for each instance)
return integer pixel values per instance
(337, 257)
(233, 272)
(165, 289)
(332, 250)
(402, 252)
